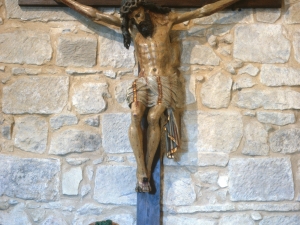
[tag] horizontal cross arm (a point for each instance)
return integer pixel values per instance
(169, 3)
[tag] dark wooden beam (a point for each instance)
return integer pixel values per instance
(170, 3)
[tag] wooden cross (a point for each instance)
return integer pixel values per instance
(169, 3)
(149, 204)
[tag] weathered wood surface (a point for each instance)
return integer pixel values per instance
(148, 204)
(170, 3)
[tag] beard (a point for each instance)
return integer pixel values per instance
(145, 27)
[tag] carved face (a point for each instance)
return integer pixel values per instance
(141, 18)
(138, 15)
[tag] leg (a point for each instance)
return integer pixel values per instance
(153, 134)
(136, 141)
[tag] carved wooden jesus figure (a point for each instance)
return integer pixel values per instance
(156, 89)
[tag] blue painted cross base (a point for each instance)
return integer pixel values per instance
(148, 204)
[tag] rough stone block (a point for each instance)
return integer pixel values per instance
(278, 76)
(250, 70)
(260, 179)
(89, 97)
(185, 220)
(268, 15)
(206, 208)
(227, 39)
(285, 141)
(261, 43)
(223, 181)
(14, 11)
(74, 140)
(282, 99)
(189, 126)
(110, 73)
(6, 146)
(30, 95)
(296, 45)
(76, 161)
(193, 53)
(89, 172)
(16, 216)
(54, 220)
(115, 184)
(269, 207)
(237, 220)
(207, 177)
(113, 158)
(77, 71)
(61, 120)
(256, 216)
(92, 121)
(227, 17)
(79, 51)
(115, 133)
(178, 187)
(90, 209)
(219, 131)
(243, 82)
(6, 130)
(213, 159)
(85, 189)
(4, 205)
(26, 178)
(276, 118)
(249, 99)
(25, 46)
(31, 133)
(225, 51)
(292, 14)
(120, 92)
(215, 92)
(197, 31)
(268, 99)
(280, 220)
(71, 180)
(112, 51)
(27, 71)
(212, 41)
(256, 139)
(190, 89)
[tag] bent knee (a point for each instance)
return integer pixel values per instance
(136, 116)
(153, 118)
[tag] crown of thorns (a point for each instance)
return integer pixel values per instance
(129, 5)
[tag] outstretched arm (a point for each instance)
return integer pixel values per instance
(202, 12)
(92, 13)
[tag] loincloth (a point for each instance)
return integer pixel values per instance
(154, 90)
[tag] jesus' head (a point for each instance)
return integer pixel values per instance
(137, 13)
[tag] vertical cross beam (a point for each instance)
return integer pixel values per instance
(148, 204)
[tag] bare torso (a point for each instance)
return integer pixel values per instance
(154, 54)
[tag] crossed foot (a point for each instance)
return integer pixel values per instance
(143, 186)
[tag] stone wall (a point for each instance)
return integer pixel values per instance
(65, 156)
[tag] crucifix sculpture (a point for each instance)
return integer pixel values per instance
(156, 88)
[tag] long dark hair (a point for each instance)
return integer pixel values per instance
(125, 20)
